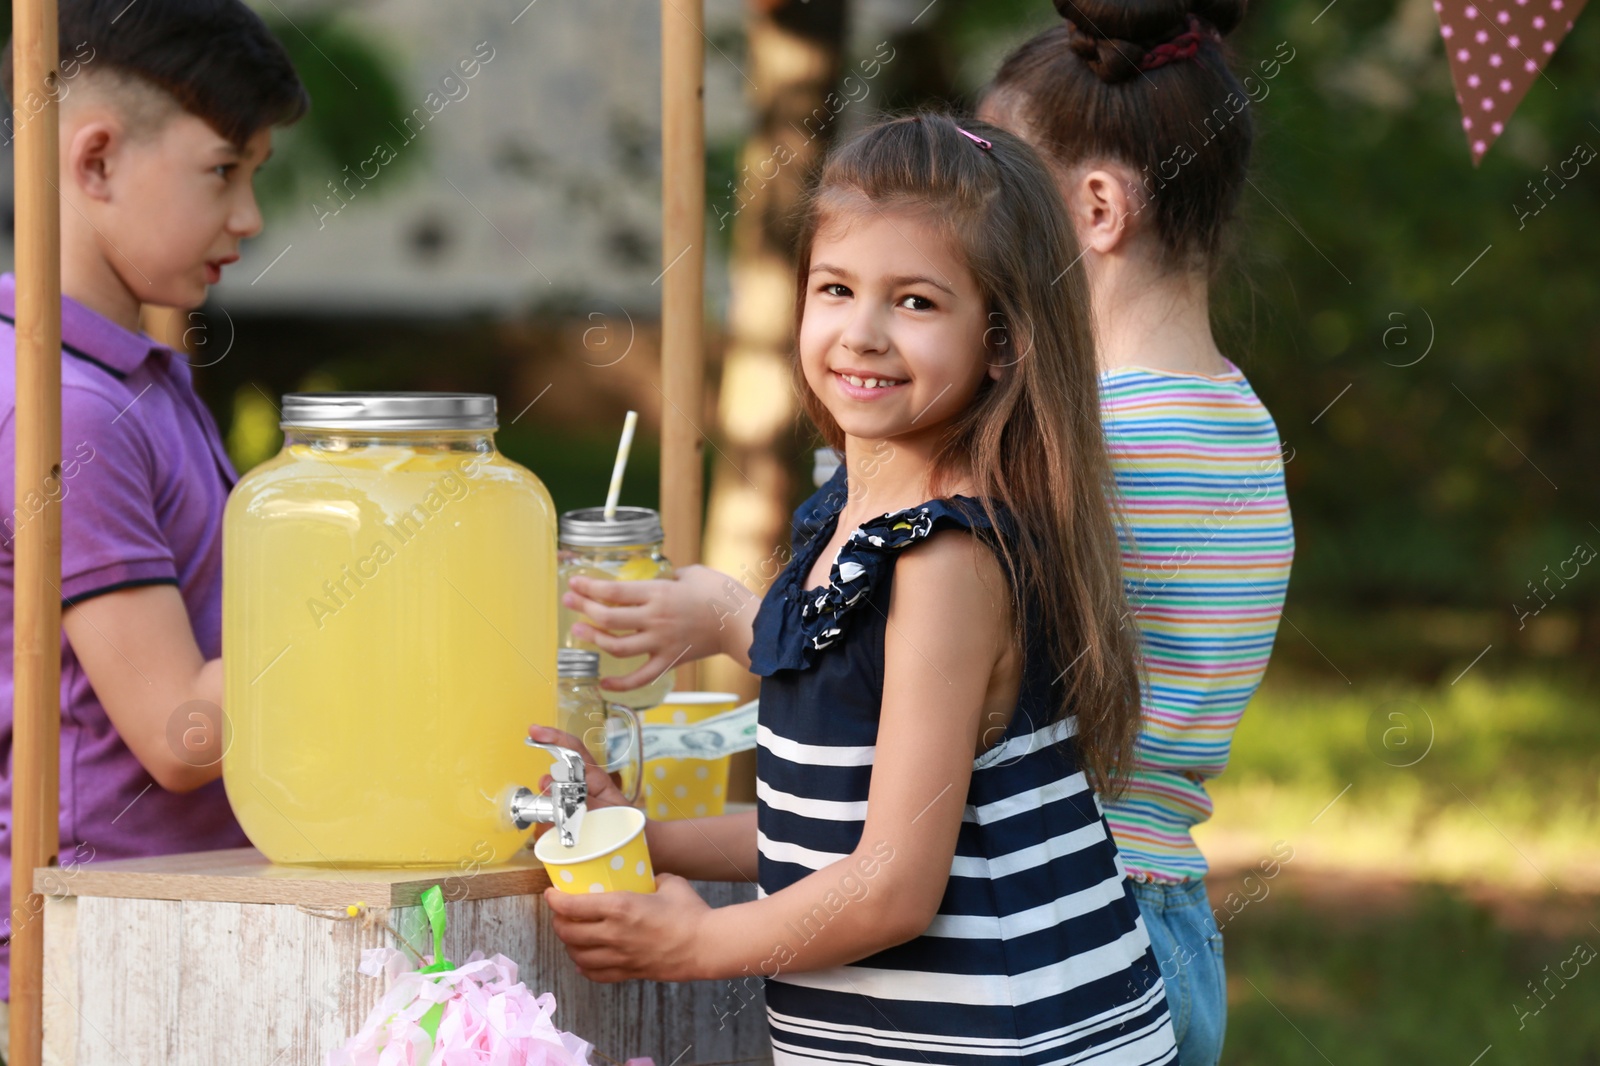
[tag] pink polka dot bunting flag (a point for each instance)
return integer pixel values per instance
(1497, 50)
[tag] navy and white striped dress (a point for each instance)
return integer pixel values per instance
(1038, 954)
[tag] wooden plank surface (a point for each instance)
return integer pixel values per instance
(60, 981)
(242, 875)
(198, 983)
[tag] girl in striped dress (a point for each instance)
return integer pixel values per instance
(1149, 133)
(946, 677)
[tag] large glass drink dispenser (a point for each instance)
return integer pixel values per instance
(389, 633)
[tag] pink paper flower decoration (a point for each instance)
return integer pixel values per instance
(490, 1019)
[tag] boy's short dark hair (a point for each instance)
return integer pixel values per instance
(216, 58)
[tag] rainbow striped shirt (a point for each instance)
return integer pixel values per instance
(1199, 467)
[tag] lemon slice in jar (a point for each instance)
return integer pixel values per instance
(638, 569)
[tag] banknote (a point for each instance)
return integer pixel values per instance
(712, 738)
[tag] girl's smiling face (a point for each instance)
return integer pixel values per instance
(892, 334)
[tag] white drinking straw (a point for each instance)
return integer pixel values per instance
(622, 464)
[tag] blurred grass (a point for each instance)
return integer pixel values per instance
(1445, 840)
(1493, 777)
(1439, 980)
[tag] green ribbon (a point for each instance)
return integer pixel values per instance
(433, 908)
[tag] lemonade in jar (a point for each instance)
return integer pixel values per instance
(626, 547)
(389, 633)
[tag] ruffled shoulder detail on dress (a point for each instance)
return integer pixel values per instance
(793, 624)
(867, 557)
(858, 568)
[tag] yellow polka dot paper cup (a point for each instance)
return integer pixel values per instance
(610, 855)
(687, 788)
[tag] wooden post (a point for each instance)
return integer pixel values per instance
(37, 621)
(683, 262)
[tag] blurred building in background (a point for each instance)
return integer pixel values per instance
(517, 173)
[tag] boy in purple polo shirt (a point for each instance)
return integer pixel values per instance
(167, 110)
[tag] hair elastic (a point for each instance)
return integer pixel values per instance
(975, 139)
(1183, 46)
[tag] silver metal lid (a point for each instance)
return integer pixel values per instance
(588, 528)
(576, 662)
(388, 410)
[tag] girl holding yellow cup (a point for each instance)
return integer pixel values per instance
(610, 856)
(612, 853)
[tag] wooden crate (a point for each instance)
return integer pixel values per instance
(224, 958)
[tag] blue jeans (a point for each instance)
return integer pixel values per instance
(1188, 948)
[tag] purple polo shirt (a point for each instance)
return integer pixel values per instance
(144, 478)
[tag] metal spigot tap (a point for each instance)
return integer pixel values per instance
(563, 804)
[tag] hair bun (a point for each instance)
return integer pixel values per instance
(1114, 36)
(1110, 59)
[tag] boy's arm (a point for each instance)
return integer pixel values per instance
(163, 697)
(121, 609)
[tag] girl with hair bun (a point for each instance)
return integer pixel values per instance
(1148, 134)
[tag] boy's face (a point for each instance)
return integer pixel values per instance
(170, 207)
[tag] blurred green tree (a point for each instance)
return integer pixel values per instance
(355, 104)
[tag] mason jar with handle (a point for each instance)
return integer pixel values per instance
(626, 547)
(584, 711)
(389, 634)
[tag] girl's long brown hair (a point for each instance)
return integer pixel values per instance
(1031, 439)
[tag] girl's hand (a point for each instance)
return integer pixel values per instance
(603, 788)
(622, 936)
(696, 613)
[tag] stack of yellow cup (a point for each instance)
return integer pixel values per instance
(687, 788)
(610, 855)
